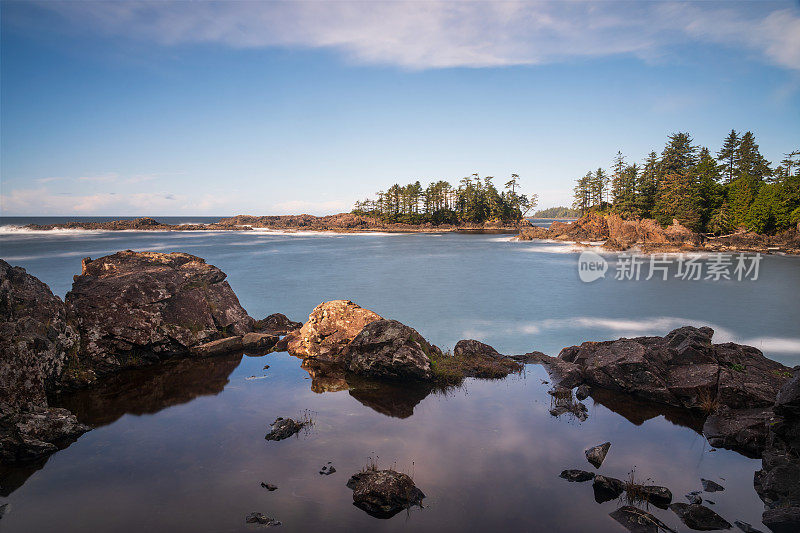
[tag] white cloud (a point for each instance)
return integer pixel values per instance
(421, 35)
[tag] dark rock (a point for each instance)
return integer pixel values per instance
(38, 343)
(576, 475)
(36, 432)
(699, 517)
(682, 368)
(582, 393)
(218, 347)
(711, 486)
(597, 454)
(258, 342)
(259, 518)
(269, 486)
(329, 329)
(277, 323)
(607, 488)
(637, 520)
(473, 348)
(577, 409)
(747, 528)
(384, 493)
(387, 349)
(137, 308)
(658, 496)
(3, 510)
(564, 373)
(283, 428)
(782, 519)
(327, 470)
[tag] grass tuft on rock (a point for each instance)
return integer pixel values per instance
(449, 369)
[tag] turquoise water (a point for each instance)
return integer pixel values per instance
(182, 448)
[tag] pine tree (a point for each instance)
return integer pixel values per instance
(676, 196)
(750, 161)
(729, 155)
(646, 186)
(710, 194)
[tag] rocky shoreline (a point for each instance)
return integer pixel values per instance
(339, 223)
(131, 310)
(647, 236)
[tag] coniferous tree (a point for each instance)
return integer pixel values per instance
(728, 154)
(710, 194)
(647, 185)
(676, 196)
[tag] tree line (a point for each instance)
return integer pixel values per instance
(475, 200)
(716, 193)
(557, 212)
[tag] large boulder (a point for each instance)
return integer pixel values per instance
(390, 350)
(135, 308)
(277, 324)
(329, 329)
(682, 368)
(37, 343)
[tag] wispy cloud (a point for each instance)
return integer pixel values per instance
(421, 35)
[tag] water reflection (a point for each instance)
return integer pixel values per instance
(149, 390)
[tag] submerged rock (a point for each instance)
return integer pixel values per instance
(747, 528)
(711, 486)
(389, 349)
(607, 488)
(384, 493)
(269, 486)
(637, 520)
(699, 517)
(329, 329)
(597, 454)
(575, 475)
(260, 518)
(283, 428)
(327, 470)
(694, 497)
(743, 430)
(136, 308)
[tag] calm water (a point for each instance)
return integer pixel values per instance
(182, 448)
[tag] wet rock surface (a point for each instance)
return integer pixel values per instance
(384, 493)
(575, 475)
(137, 308)
(658, 496)
(283, 428)
(597, 454)
(711, 486)
(637, 520)
(258, 342)
(390, 350)
(269, 486)
(699, 517)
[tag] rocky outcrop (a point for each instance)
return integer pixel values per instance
(329, 329)
(384, 493)
(777, 481)
(682, 368)
(388, 349)
(139, 224)
(136, 308)
(37, 342)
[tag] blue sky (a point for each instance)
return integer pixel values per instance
(287, 107)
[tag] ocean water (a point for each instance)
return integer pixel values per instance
(182, 447)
